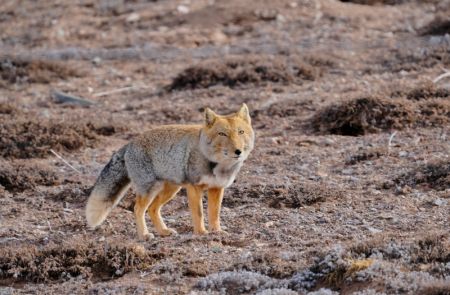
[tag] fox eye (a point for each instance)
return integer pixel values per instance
(241, 131)
(222, 134)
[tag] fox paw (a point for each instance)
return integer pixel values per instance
(146, 237)
(219, 232)
(167, 232)
(201, 232)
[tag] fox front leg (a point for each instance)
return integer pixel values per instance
(215, 196)
(195, 194)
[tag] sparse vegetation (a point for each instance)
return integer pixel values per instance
(346, 191)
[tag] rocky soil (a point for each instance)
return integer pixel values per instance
(346, 192)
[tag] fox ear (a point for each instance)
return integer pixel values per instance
(244, 114)
(210, 117)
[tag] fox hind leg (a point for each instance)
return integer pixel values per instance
(140, 207)
(154, 211)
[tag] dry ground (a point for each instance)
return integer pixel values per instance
(347, 190)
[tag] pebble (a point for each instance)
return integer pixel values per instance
(133, 17)
(347, 171)
(403, 154)
(97, 60)
(183, 9)
(374, 230)
(440, 202)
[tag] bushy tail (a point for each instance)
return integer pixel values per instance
(108, 190)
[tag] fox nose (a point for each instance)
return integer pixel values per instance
(238, 152)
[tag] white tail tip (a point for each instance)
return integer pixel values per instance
(97, 209)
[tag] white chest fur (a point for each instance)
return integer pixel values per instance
(222, 176)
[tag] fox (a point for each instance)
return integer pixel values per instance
(158, 163)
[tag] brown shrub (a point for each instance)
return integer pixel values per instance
(56, 262)
(434, 113)
(431, 176)
(18, 177)
(361, 116)
(417, 59)
(439, 26)
(365, 155)
(29, 138)
(423, 92)
(36, 71)
(239, 71)
(430, 248)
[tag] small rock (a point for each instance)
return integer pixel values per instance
(183, 9)
(373, 230)
(440, 202)
(347, 171)
(403, 154)
(328, 141)
(218, 37)
(269, 224)
(133, 17)
(97, 60)
(102, 239)
(280, 18)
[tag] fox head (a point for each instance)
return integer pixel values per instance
(227, 139)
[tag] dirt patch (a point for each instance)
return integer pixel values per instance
(431, 176)
(33, 138)
(239, 71)
(280, 196)
(18, 177)
(362, 116)
(63, 262)
(36, 71)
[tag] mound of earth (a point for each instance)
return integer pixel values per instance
(239, 71)
(362, 116)
(34, 71)
(18, 177)
(56, 262)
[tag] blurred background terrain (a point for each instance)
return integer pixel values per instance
(347, 190)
